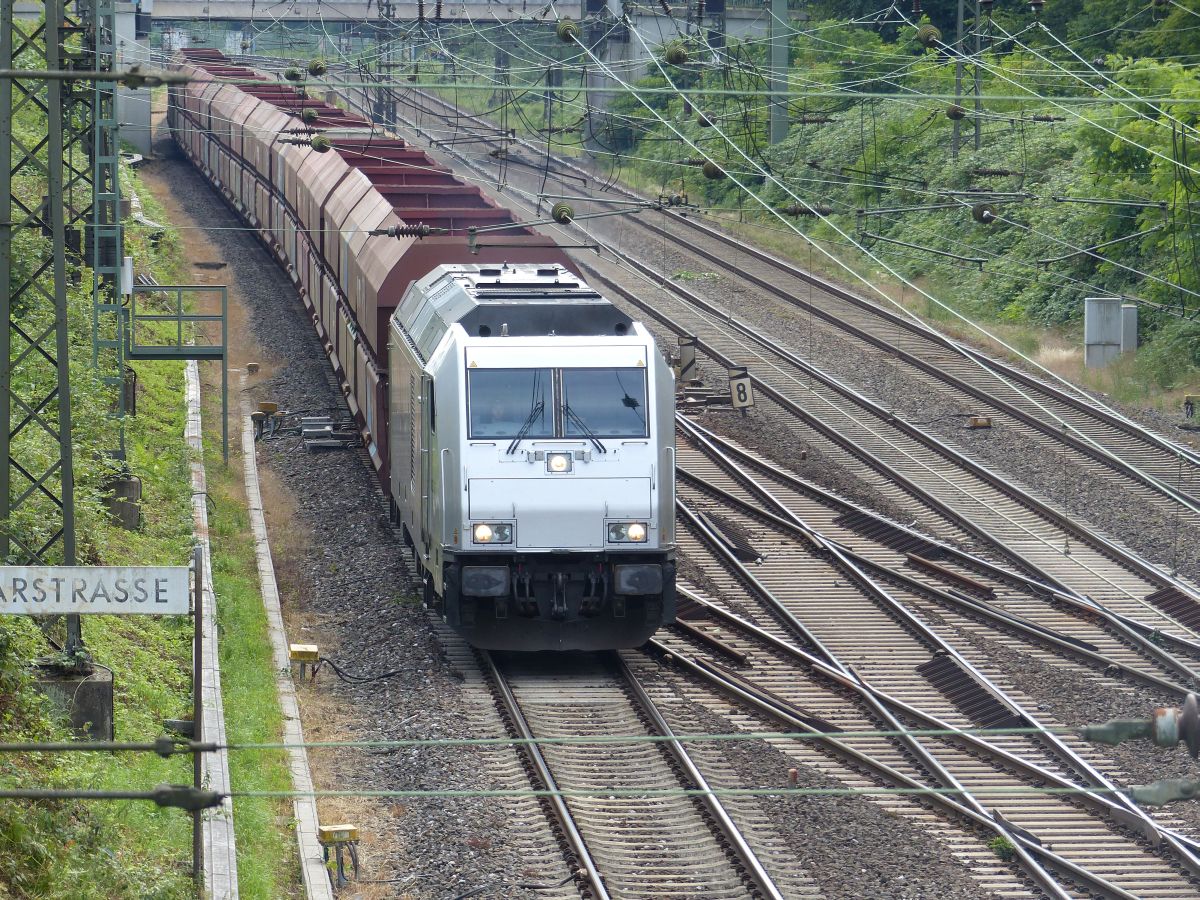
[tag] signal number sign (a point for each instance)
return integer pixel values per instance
(741, 389)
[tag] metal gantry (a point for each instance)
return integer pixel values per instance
(62, 214)
(37, 522)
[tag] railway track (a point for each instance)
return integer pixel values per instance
(911, 464)
(1094, 843)
(977, 587)
(1155, 467)
(874, 636)
(1063, 847)
(824, 677)
(664, 845)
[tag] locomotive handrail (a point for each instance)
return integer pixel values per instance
(442, 488)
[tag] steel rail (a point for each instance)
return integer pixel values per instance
(1062, 643)
(729, 830)
(1003, 369)
(1151, 830)
(1134, 631)
(1120, 622)
(951, 454)
(1186, 854)
(1056, 519)
(490, 660)
(1055, 431)
(968, 807)
(1000, 367)
(561, 811)
(1130, 627)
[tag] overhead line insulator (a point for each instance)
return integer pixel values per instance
(929, 35)
(984, 213)
(807, 209)
(420, 230)
(567, 31)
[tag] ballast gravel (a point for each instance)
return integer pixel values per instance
(863, 850)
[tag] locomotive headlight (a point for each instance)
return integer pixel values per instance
(558, 462)
(494, 533)
(627, 533)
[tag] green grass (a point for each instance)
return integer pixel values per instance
(112, 848)
(267, 863)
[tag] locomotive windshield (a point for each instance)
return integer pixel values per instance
(571, 403)
(604, 402)
(510, 402)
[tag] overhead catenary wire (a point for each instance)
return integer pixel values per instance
(836, 260)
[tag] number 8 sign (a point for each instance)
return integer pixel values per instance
(741, 389)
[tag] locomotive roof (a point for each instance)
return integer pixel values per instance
(522, 300)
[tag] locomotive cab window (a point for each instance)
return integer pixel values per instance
(505, 403)
(604, 402)
(565, 403)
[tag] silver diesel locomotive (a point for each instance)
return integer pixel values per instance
(532, 448)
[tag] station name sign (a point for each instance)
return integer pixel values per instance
(112, 590)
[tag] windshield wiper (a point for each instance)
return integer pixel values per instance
(533, 416)
(582, 426)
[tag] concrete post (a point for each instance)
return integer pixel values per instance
(779, 70)
(1129, 327)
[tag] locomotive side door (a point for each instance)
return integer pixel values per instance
(429, 475)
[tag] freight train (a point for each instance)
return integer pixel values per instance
(522, 425)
